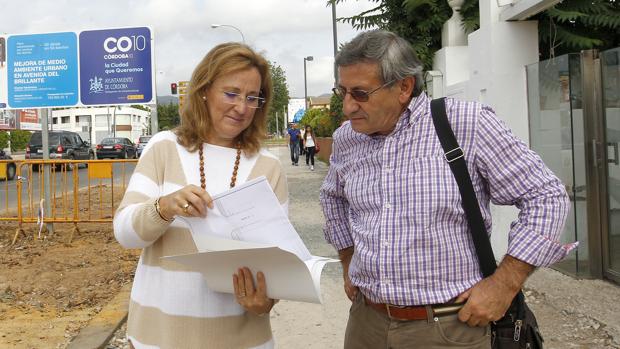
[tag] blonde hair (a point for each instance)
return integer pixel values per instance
(223, 59)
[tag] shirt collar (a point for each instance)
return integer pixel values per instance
(417, 107)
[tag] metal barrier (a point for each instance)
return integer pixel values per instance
(75, 196)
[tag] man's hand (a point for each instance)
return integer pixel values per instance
(489, 299)
(345, 258)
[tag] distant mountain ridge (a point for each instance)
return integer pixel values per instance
(167, 100)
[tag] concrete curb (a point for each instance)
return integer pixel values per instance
(102, 327)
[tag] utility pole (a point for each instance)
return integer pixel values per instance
(284, 121)
(309, 58)
(335, 31)
(277, 127)
(154, 120)
(108, 121)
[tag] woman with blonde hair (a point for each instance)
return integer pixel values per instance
(216, 147)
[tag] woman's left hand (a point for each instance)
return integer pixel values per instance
(252, 299)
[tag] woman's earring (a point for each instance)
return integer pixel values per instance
(204, 98)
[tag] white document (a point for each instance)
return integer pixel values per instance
(249, 228)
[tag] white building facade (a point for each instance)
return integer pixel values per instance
(488, 66)
(95, 123)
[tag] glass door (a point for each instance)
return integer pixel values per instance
(610, 79)
(557, 134)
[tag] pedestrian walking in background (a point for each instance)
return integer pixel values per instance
(294, 136)
(394, 212)
(302, 146)
(310, 143)
(217, 146)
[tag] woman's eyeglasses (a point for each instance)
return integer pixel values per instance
(253, 102)
(358, 95)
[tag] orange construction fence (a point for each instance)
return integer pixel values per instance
(80, 191)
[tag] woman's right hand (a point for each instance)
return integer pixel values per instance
(190, 201)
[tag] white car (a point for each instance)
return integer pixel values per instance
(141, 143)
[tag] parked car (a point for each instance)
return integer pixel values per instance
(117, 148)
(7, 169)
(64, 145)
(142, 143)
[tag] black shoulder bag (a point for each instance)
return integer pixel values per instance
(518, 329)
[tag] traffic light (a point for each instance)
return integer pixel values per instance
(173, 88)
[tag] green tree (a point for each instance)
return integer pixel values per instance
(418, 21)
(168, 116)
(335, 112)
(19, 139)
(141, 107)
(574, 25)
(569, 26)
(280, 98)
(4, 139)
(320, 120)
(325, 121)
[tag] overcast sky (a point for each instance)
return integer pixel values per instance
(285, 31)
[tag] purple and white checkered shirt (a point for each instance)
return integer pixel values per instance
(395, 200)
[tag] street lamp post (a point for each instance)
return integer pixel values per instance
(309, 58)
(231, 26)
(335, 32)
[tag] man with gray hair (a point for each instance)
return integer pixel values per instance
(394, 212)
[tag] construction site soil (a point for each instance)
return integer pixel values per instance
(52, 285)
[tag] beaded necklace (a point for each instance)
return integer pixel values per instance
(233, 179)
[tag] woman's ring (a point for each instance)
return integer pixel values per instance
(241, 294)
(186, 207)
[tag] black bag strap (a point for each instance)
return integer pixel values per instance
(456, 159)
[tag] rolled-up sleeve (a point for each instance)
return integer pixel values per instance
(335, 206)
(517, 176)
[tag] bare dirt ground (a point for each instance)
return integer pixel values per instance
(49, 289)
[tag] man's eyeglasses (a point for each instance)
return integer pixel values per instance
(358, 95)
(253, 102)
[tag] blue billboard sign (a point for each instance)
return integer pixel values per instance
(116, 66)
(42, 70)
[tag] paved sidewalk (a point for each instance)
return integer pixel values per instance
(19, 155)
(572, 313)
(304, 325)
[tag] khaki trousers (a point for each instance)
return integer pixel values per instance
(368, 328)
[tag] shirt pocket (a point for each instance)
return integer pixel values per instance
(363, 184)
(431, 190)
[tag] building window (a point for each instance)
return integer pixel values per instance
(102, 120)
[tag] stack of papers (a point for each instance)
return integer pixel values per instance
(248, 228)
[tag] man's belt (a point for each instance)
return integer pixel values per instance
(420, 312)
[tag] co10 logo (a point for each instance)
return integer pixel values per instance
(124, 44)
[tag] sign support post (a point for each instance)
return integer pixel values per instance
(47, 168)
